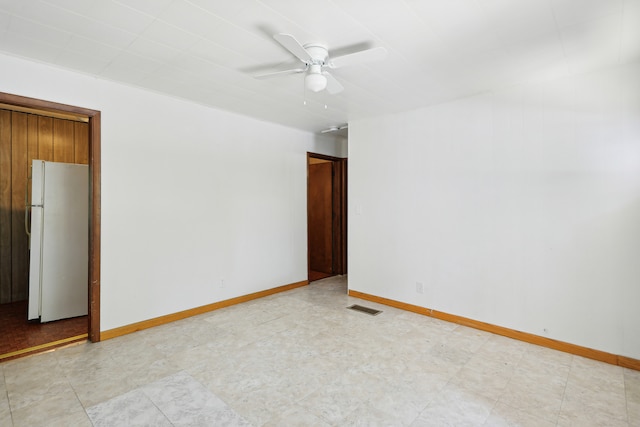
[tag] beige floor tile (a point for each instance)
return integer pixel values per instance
(218, 381)
(192, 358)
(3, 387)
(535, 393)
(593, 374)
(33, 379)
(369, 415)
(92, 370)
(486, 377)
(632, 385)
(633, 413)
(335, 401)
(84, 357)
(468, 338)
(592, 422)
(260, 406)
(178, 343)
(417, 342)
(32, 369)
(329, 404)
(398, 402)
(591, 405)
(22, 395)
(549, 355)
(426, 384)
(128, 351)
(456, 407)
(96, 388)
(503, 349)
(447, 353)
(302, 358)
(301, 382)
(76, 419)
(47, 411)
(5, 419)
(546, 362)
(4, 398)
(5, 411)
(143, 373)
(296, 416)
(505, 416)
(133, 408)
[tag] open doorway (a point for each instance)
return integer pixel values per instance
(326, 216)
(18, 145)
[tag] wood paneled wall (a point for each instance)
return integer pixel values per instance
(24, 137)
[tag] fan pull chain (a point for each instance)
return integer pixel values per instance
(304, 94)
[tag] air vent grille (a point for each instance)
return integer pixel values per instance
(362, 309)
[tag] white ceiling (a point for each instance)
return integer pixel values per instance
(207, 50)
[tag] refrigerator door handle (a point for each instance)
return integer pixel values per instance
(27, 208)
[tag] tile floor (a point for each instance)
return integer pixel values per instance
(301, 358)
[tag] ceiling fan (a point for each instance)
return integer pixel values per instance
(316, 60)
(335, 128)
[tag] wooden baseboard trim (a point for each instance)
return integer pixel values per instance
(43, 347)
(628, 362)
(157, 321)
(578, 350)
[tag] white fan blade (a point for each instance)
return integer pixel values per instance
(293, 46)
(334, 129)
(368, 55)
(333, 86)
(280, 73)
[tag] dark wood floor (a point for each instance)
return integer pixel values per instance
(317, 275)
(16, 333)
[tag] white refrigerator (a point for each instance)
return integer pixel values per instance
(59, 235)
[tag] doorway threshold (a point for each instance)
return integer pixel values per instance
(318, 275)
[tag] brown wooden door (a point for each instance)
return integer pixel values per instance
(320, 217)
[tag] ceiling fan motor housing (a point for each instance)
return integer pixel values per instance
(318, 53)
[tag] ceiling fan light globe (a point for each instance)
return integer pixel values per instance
(315, 82)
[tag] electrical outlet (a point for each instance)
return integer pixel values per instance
(420, 287)
(222, 283)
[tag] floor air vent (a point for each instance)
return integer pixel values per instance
(362, 309)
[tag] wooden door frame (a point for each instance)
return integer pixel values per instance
(339, 213)
(94, 193)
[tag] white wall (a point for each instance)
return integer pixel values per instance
(190, 195)
(519, 208)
